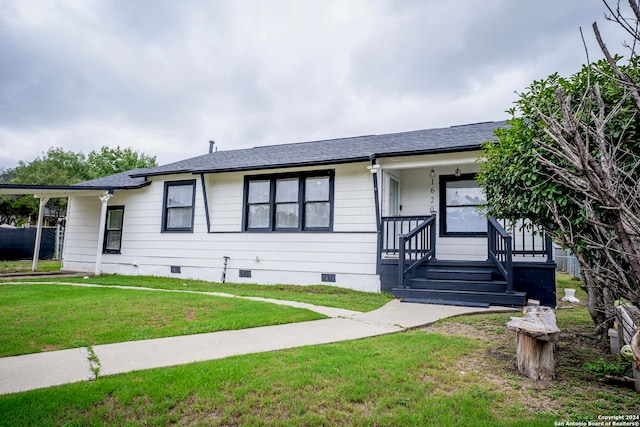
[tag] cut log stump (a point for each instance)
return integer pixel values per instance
(536, 334)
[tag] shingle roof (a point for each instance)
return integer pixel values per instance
(325, 152)
(122, 180)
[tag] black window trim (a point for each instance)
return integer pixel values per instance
(167, 185)
(106, 230)
(272, 178)
(444, 179)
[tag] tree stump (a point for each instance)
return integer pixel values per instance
(536, 334)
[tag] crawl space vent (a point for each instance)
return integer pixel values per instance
(328, 277)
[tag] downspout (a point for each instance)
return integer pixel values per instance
(206, 203)
(374, 173)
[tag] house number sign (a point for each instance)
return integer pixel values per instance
(432, 197)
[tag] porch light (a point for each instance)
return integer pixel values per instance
(374, 168)
(457, 172)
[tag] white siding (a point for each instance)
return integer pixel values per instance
(349, 251)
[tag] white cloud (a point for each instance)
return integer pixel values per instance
(165, 77)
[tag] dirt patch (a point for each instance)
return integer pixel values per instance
(50, 347)
(495, 363)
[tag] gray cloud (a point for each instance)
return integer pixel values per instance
(164, 77)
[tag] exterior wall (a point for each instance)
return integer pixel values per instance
(349, 251)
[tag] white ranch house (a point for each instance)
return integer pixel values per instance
(330, 211)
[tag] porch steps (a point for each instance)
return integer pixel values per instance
(447, 273)
(496, 298)
(446, 284)
(446, 302)
(459, 283)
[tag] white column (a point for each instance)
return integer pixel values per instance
(104, 198)
(36, 248)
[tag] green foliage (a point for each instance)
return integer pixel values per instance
(109, 161)
(59, 167)
(568, 160)
(55, 167)
(603, 368)
(516, 184)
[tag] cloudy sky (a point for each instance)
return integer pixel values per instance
(164, 77)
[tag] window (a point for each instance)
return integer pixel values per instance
(113, 230)
(289, 202)
(460, 199)
(179, 200)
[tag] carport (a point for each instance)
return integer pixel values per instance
(47, 192)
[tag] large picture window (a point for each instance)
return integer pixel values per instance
(179, 200)
(461, 198)
(289, 202)
(113, 230)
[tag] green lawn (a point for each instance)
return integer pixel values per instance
(25, 266)
(407, 379)
(329, 296)
(460, 371)
(36, 318)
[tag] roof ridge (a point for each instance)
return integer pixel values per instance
(305, 142)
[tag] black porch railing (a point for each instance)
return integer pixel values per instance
(416, 247)
(500, 250)
(412, 240)
(393, 226)
(528, 240)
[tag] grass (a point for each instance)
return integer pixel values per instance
(329, 296)
(460, 371)
(412, 378)
(38, 318)
(25, 266)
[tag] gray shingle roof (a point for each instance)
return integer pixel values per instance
(342, 150)
(123, 180)
(326, 152)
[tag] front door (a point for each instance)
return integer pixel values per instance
(394, 197)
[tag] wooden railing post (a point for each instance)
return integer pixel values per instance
(432, 238)
(549, 246)
(491, 240)
(509, 264)
(401, 261)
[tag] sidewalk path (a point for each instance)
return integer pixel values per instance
(32, 371)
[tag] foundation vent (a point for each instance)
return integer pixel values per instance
(326, 277)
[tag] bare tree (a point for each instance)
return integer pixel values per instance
(571, 159)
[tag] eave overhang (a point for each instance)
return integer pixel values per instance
(53, 191)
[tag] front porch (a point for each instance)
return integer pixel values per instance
(518, 265)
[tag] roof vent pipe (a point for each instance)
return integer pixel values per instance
(212, 144)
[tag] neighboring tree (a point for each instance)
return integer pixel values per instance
(60, 167)
(109, 161)
(570, 160)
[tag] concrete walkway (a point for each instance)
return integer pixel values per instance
(32, 371)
